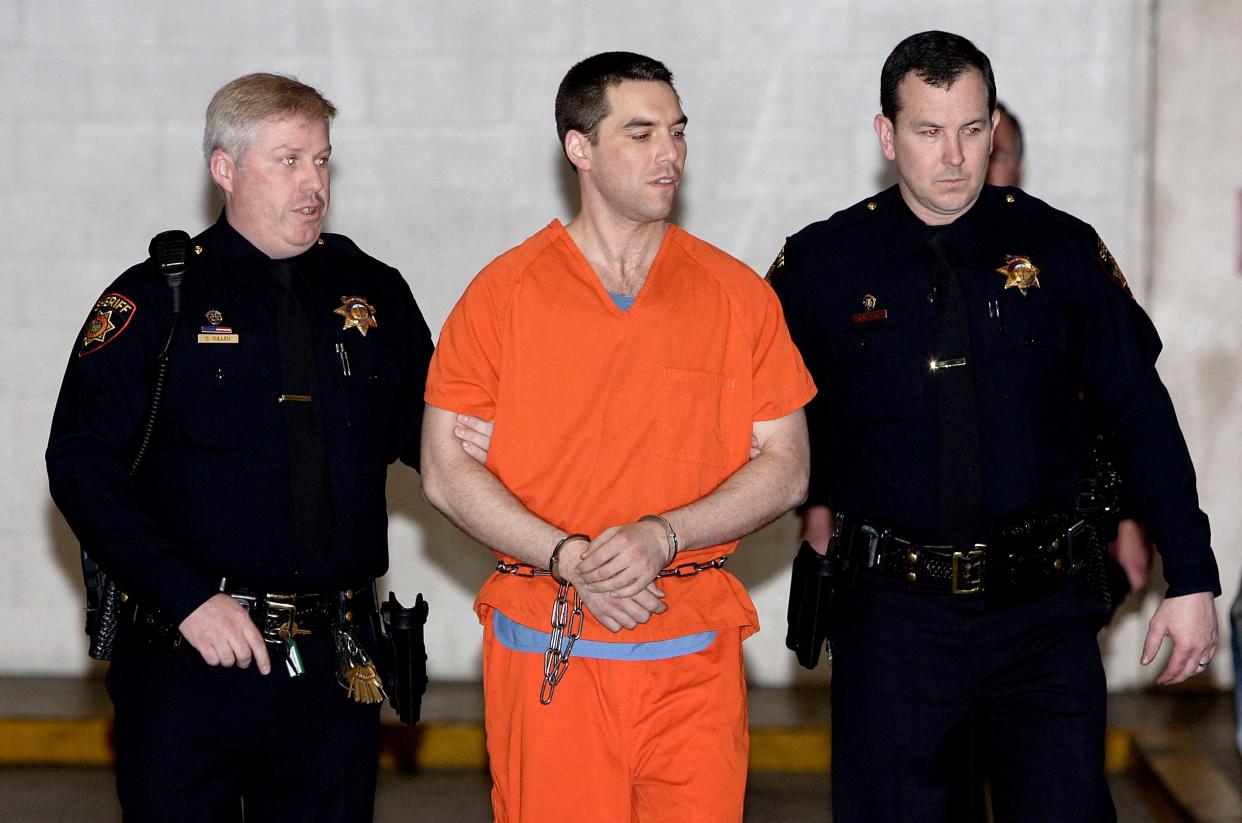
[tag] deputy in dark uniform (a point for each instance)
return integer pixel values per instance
(965, 339)
(256, 523)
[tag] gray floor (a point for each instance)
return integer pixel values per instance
(86, 796)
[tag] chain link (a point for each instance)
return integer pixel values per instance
(680, 570)
(691, 569)
(556, 658)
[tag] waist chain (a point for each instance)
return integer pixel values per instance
(561, 644)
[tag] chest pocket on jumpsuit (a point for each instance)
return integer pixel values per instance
(695, 412)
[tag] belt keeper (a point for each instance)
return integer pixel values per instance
(669, 534)
(554, 562)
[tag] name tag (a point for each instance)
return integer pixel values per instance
(870, 316)
(217, 338)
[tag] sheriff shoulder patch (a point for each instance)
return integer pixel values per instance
(776, 269)
(1109, 264)
(112, 315)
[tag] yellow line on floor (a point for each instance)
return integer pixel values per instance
(88, 742)
(790, 750)
(52, 741)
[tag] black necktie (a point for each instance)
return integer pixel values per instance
(299, 392)
(960, 473)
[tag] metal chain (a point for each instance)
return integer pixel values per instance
(680, 570)
(691, 569)
(556, 660)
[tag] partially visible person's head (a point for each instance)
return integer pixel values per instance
(267, 147)
(937, 96)
(1005, 164)
(582, 98)
(939, 59)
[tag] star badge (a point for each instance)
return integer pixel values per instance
(358, 314)
(1020, 273)
(99, 327)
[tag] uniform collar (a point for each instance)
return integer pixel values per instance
(964, 234)
(231, 244)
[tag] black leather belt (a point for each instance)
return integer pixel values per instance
(278, 616)
(1023, 555)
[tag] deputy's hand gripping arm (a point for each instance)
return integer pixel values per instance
(460, 487)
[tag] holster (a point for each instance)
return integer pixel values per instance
(812, 588)
(403, 656)
(103, 604)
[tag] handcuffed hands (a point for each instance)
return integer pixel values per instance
(612, 608)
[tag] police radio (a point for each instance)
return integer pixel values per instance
(170, 253)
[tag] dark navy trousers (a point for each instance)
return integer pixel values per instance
(205, 743)
(926, 683)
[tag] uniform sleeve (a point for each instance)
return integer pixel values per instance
(464, 375)
(780, 380)
(417, 351)
(793, 289)
(98, 419)
(1127, 396)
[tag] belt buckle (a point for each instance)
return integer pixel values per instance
(970, 586)
(280, 618)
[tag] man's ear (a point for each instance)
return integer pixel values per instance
(884, 130)
(578, 150)
(223, 170)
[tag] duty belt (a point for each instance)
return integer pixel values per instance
(279, 617)
(1006, 562)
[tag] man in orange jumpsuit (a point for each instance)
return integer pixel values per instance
(627, 366)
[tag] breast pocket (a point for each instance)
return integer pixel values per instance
(371, 381)
(221, 400)
(695, 412)
(880, 368)
(1038, 357)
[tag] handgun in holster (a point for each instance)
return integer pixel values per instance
(403, 653)
(816, 582)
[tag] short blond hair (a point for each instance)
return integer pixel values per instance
(238, 109)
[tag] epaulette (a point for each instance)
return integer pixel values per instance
(1033, 210)
(863, 210)
(339, 243)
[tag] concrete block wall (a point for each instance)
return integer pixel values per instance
(445, 155)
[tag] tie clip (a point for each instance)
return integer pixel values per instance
(936, 365)
(294, 398)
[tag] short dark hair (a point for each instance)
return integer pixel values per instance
(1017, 127)
(582, 99)
(939, 58)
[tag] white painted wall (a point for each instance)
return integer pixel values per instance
(1196, 300)
(445, 155)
